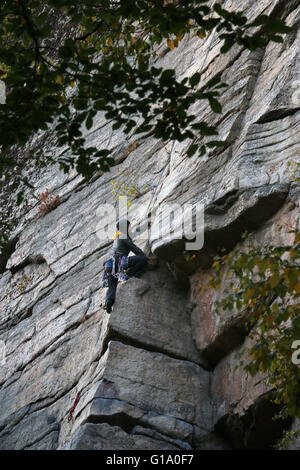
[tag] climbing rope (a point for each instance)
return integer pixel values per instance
(170, 153)
(161, 175)
(155, 190)
(71, 411)
(110, 137)
(208, 50)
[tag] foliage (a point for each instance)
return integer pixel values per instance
(106, 60)
(188, 256)
(294, 169)
(125, 187)
(64, 61)
(24, 281)
(49, 202)
(288, 437)
(268, 291)
(4, 245)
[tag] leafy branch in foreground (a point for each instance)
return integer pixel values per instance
(268, 290)
(106, 57)
(64, 61)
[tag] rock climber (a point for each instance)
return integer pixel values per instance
(120, 261)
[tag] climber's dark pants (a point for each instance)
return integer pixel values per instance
(112, 287)
(136, 265)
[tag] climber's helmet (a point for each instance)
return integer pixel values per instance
(123, 225)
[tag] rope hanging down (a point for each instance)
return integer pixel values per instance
(170, 153)
(208, 50)
(155, 191)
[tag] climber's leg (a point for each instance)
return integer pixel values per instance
(111, 292)
(136, 265)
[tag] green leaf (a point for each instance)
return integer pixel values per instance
(194, 80)
(192, 150)
(20, 198)
(277, 26)
(252, 368)
(216, 143)
(213, 82)
(228, 43)
(89, 122)
(42, 18)
(274, 38)
(221, 11)
(215, 105)
(261, 19)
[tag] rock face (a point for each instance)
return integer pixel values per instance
(159, 371)
(150, 400)
(217, 334)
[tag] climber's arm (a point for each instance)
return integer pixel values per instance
(135, 249)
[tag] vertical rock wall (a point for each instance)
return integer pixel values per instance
(158, 373)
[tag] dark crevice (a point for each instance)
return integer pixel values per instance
(256, 429)
(82, 185)
(227, 236)
(228, 199)
(6, 253)
(284, 8)
(213, 441)
(221, 205)
(15, 320)
(34, 259)
(127, 424)
(276, 114)
(121, 419)
(233, 337)
(55, 438)
(113, 335)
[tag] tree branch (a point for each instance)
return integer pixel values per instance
(31, 31)
(82, 38)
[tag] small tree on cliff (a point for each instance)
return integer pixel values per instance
(268, 291)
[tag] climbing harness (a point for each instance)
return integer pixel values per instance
(115, 267)
(105, 274)
(71, 411)
(122, 271)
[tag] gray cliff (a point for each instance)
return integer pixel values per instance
(158, 372)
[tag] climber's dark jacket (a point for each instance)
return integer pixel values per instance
(123, 245)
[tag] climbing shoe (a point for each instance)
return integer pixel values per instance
(123, 278)
(108, 305)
